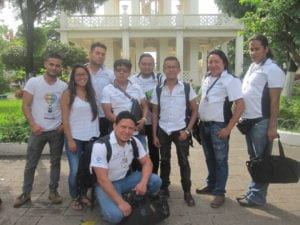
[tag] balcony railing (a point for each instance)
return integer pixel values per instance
(149, 21)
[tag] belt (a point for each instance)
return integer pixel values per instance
(255, 120)
(207, 123)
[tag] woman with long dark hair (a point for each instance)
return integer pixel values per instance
(80, 120)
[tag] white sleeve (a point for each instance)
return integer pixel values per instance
(234, 89)
(98, 156)
(106, 95)
(276, 77)
(30, 85)
(154, 97)
(192, 94)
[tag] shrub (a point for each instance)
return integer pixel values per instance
(13, 125)
(289, 115)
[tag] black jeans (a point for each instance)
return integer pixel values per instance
(153, 151)
(182, 150)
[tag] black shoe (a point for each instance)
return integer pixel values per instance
(188, 198)
(164, 192)
(204, 191)
(246, 202)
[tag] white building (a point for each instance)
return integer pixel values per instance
(164, 27)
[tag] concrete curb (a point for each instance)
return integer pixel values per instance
(17, 149)
(290, 138)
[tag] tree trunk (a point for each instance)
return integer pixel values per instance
(29, 35)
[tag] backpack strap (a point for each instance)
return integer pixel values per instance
(105, 140)
(135, 148)
(187, 89)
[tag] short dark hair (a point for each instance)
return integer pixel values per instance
(53, 55)
(222, 55)
(264, 42)
(172, 58)
(125, 115)
(122, 62)
(144, 55)
(98, 44)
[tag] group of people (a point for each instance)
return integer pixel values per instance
(97, 102)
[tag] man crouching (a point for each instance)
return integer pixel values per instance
(112, 177)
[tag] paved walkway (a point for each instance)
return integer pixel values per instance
(283, 206)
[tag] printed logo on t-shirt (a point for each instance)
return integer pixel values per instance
(51, 100)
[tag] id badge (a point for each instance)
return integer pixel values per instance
(124, 162)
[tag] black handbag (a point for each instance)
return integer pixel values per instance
(196, 132)
(146, 210)
(245, 125)
(274, 168)
(136, 109)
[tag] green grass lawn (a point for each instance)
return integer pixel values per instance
(13, 125)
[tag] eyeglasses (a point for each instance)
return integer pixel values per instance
(171, 67)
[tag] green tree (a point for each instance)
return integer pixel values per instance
(279, 20)
(32, 11)
(234, 7)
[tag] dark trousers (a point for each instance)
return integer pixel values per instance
(182, 150)
(105, 126)
(153, 151)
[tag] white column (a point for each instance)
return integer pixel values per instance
(224, 48)
(167, 6)
(135, 7)
(194, 73)
(139, 49)
(204, 61)
(109, 59)
(239, 55)
(108, 7)
(163, 52)
(125, 45)
(179, 48)
(193, 6)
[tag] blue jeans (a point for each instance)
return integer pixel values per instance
(109, 209)
(73, 159)
(216, 154)
(257, 141)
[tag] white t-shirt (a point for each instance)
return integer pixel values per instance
(120, 160)
(148, 85)
(118, 100)
(45, 108)
(81, 124)
(172, 107)
(100, 80)
(257, 81)
(211, 107)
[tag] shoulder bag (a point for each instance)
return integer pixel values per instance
(274, 168)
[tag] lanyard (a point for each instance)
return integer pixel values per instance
(213, 84)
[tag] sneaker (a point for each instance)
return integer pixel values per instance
(22, 199)
(188, 198)
(55, 198)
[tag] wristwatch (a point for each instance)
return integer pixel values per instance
(187, 131)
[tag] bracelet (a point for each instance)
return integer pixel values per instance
(187, 131)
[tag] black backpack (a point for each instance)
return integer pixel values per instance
(87, 180)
